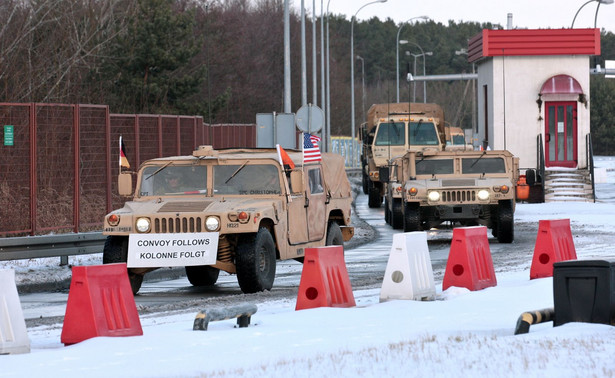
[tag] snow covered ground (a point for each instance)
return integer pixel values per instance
(461, 333)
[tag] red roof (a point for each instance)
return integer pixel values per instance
(528, 42)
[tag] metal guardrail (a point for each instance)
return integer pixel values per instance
(64, 245)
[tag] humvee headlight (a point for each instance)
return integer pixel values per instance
(483, 195)
(212, 224)
(143, 225)
(434, 196)
(113, 220)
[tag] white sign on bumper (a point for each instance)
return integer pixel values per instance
(159, 250)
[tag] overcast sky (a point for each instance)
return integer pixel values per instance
(531, 14)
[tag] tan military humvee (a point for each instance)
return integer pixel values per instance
(468, 187)
(236, 210)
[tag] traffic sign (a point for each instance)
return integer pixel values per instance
(310, 118)
(9, 136)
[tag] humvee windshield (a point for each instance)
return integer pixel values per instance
(391, 134)
(483, 164)
(459, 139)
(173, 180)
(246, 179)
(434, 166)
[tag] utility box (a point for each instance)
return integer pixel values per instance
(584, 291)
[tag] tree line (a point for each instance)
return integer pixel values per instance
(224, 60)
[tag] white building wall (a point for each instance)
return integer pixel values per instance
(514, 118)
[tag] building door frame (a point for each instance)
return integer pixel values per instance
(561, 133)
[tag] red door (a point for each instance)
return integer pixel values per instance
(561, 134)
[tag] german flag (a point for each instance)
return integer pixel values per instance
(123, 160)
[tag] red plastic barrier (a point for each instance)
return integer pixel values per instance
(469, 262)
(553, 244)
(100, 303)
(324, 279)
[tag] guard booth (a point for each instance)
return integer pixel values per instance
(533, 100)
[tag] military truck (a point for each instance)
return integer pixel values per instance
(390, 131)
(467, 187)
(234, 210)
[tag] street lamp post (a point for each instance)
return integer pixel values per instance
(474, 125)
(362, 84)
(423, 54)
(327, 140)
(397, 48)
(352, 58)
(597, 7)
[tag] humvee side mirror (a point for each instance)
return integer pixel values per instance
(296, 181)
(384, 174)
(124, 184)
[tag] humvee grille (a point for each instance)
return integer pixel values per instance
(458, 195)
(178, 224)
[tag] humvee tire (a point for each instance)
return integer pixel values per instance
(364, 182)
(202, 275)
(255, 262)
(397, 215)
(412, 218)
(505, 222)
(116, 251)
(374, 199)
(334, 234)
(387, 216)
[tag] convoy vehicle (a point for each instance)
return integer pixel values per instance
(456, 139)
(468, 187)
(235, 210)
(390, 131)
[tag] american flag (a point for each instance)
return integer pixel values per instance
(311, 151)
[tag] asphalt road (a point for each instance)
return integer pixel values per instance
(366, 259)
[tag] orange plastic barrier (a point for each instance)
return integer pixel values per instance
(469, 261)
(523, 189)
(553, 244)
(100, 303)
(324, 279)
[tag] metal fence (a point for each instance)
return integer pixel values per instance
(59, 163)
(344, 145)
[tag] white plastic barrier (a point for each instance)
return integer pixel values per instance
(13, 335)
(409, 274)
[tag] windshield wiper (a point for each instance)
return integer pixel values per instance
(480, 157)
(158, 170)
(236, 172)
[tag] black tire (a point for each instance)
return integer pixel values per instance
(506, 222)
(202, 275)
(397, 215)
(256, 262)
(364, 182)
(387, 217)
(116, 251)
(374, 198)
(334, 234)
(412, 217)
